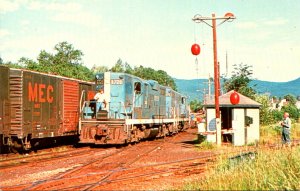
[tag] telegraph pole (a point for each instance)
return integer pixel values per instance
(199, 19)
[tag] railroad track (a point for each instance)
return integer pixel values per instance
(22, 160)
(75, 175)
(101, 174)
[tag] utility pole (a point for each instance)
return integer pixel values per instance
(199, 19)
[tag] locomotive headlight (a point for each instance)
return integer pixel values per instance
(97, 76)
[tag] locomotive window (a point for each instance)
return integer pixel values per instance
(168, 93)
(100, 81)
(162, 92)
(183, 100)
(137, 87)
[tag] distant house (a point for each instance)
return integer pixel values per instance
(239, 123)
(298, 104)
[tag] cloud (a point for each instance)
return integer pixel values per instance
(8, 6)
(247, 25)
(4, 33)
(84, 18)
(276, 21)
(40, 5)
(66, 12)
(25, 23)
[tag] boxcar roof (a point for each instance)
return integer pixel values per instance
(52, 75)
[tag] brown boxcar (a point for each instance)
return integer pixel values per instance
(43, 106)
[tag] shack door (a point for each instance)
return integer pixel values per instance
(70, 106)
(238, 126)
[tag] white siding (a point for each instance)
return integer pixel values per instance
(253, 129)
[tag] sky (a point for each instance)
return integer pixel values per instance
(159, 34)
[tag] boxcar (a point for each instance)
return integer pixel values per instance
(136, 109)
(40, 106)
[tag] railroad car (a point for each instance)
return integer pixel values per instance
(136, 109)
(35, 106)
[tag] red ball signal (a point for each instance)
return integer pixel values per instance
(234, 98)
(229, 15)
(195, 49)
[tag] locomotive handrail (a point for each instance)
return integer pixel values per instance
(80, 111)
(80, 103)
(123, 104)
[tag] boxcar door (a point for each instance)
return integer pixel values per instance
(4, 101)
(70, 106)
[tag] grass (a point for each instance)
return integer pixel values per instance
(269, 170)
(272, 133)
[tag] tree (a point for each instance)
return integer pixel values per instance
(29, 64)
(146, 73)
(99, 69)
(1, 61)
(291, 99)
(265, 115)
(241, 77)
(292, 110)
(118, 67)
(196, 105)
(66, 61)
(150, 74)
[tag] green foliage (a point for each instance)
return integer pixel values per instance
(277, 115)
(241, 77)
(265, 114)
(196, 105)
(206, 145)
(99, 69)
(145, 73)
(12, 65)
(291, 99)
(66, 61)
(292, 110)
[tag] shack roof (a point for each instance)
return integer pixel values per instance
(224, 101)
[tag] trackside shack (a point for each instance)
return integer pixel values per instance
(239, 122)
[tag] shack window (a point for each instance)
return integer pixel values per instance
(248, 120)
(137, 88)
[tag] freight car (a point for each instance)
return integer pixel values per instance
(35, 106)
(135, 109)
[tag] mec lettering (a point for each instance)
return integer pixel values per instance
(40, 93)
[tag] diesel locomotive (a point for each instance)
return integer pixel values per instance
(135, 109)
(37, 106)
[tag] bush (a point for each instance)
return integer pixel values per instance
(292, 110)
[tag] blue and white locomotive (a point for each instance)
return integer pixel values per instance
(135, 109)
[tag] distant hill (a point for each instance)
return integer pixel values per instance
(194, 88)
